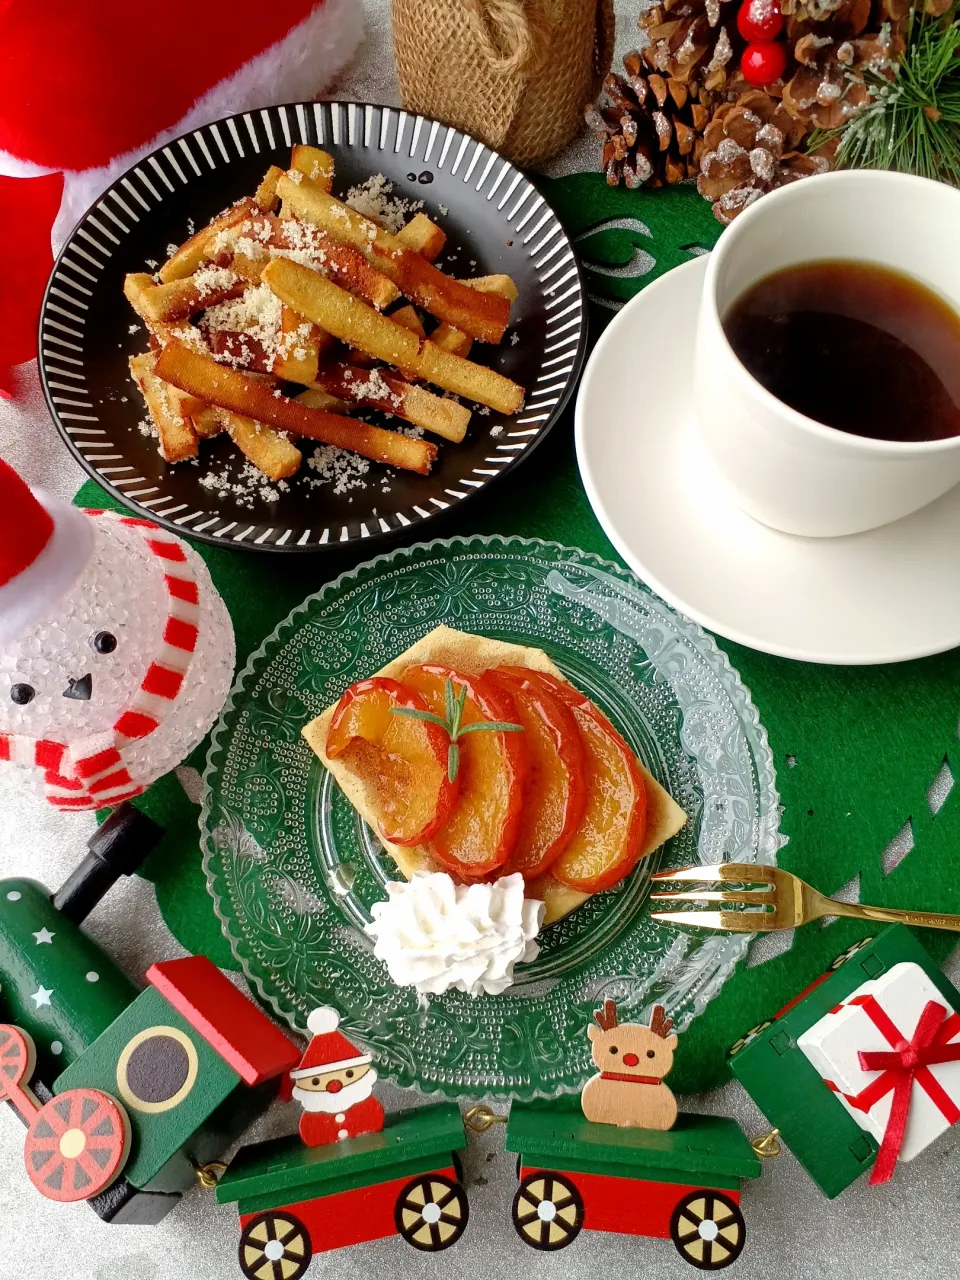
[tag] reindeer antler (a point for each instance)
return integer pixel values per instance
(607, 1016)
(660, 1024)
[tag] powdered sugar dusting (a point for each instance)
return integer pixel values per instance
(246, 488)
(374, 199)
(255, 313)
(344, 470)
(210, 279)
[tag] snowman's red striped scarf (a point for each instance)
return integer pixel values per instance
(99, 776)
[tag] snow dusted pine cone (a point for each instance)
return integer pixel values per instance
(834, 43)
(651, 126)
(694, 41)
(828, 87)
(749, 149)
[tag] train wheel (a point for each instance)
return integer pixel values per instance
(275, 1246)
(431, 1212)
(18, 1056)
(708, 1230)
(76, 1145)
(547, 1211)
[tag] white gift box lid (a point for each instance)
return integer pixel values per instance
(833, 1045)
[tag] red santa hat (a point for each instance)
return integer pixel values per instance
(132, 81)
(329, 1050)
(44, 546)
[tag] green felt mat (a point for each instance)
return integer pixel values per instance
(856, 748)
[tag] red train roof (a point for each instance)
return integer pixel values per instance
(228, 1020)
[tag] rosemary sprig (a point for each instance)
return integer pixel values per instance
(452, 726)
(912, 122)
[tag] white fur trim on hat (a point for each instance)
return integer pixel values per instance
(323, 1069)
(34, 592)
(297, 67)
(323, 1020)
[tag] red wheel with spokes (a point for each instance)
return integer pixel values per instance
(76, 1145)
(18, 1056)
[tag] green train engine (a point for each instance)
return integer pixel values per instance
(126, 1093)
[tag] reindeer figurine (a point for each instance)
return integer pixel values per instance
(633, 1059)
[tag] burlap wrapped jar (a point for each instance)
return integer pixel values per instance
(515, 73)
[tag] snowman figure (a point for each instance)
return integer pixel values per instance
(116, 651)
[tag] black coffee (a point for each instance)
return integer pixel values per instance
(855, 346)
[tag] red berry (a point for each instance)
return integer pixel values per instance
(761, 64)
(759, 20)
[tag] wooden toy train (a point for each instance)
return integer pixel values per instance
(634, 1166)
(126, 1094)
(574, 1175)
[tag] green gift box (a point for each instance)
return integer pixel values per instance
(785, 1085)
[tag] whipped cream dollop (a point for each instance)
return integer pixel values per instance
(435, 935)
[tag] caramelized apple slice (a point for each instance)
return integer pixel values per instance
(610, 836)
(484, 826)
(556, 791)
(403, 759)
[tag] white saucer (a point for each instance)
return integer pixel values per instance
(883, 596)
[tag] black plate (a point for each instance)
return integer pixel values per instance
(495, 220)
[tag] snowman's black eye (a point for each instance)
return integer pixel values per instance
(104, 642)
(21, 694)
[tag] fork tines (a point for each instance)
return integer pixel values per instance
(757, 903)
(739, 872)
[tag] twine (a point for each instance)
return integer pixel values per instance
(505, 36)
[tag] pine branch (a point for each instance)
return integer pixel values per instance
(453, 706)
(912, 123)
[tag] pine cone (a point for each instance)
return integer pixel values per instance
(749, 149)
(693, 41)
(833, 43)
(828, 87)
(844, 18)
(650, 126)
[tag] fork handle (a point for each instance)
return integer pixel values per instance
(892, 915)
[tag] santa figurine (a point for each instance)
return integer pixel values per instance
(116, 650)
(334, 1085)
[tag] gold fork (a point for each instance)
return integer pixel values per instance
(785, 902)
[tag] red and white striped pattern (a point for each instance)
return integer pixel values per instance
(93, 773)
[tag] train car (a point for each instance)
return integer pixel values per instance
(126, 1094)
(682, 1184)
(820, 1131)
(295, 1201)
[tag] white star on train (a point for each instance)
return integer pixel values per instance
(44, 935)
(42, 996)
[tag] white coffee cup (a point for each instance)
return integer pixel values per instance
(783, 468)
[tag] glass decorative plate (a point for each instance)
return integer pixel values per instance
(293, 871)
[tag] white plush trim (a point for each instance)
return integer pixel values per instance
(32, 594)
(14, 167)
(322, 1068)
(299, 66)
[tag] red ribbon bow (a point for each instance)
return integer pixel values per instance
(908, 1060)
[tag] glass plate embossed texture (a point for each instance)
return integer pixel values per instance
(293, 871)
